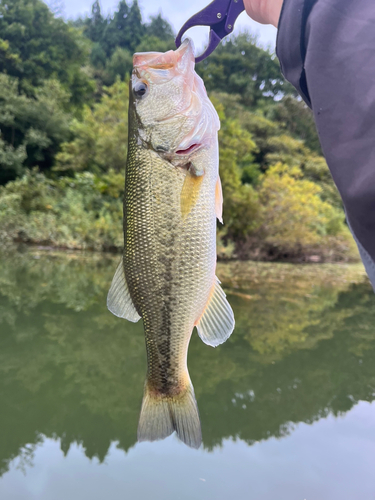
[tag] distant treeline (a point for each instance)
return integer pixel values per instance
(63, 137)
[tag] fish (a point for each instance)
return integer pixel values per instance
(172, 199)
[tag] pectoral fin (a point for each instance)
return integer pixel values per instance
(219, 200)
(190, 191)
(119, 301)
(217, 321)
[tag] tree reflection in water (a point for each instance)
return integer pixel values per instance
(304, 347)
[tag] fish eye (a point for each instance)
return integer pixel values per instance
(140, 89)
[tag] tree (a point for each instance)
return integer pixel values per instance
(31, 128)
(120, 65)
(239, 66)
(160, 28)
(240, 214)
(84, 211)
(124, 29)
(100, 139)
(115, 27)
(11, 161)
(98, 56)
(35, 46)
(277, 143)
(295, 117)
(57, 7)
(295, 219)
(135, 30)
(157, 44)
(95, 25)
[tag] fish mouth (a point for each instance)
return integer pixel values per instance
(194, 147)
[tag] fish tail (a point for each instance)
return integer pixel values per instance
(162, 414)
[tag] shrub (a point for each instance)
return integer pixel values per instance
(84, 212)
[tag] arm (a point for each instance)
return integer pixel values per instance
(326, 50)
(264, 11)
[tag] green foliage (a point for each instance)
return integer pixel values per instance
(285, 212)
(241, 206)
(158, 35)
(273, 142)
(120, 65)
(295, 220)
(35, 46)
(315, 169)
(239, 66)
(98, 56)
(32, 128)
(291, 211)
(100, 138)
(160, 29)
(293, 116)
(157, 44)
(84, 212)
(11, 161)
(116, 38)
(279, 198)
(95, 25)
(124, 29)
(119, 36)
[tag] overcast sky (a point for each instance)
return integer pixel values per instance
(177, 12)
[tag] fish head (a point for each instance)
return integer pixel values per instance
(172, 112)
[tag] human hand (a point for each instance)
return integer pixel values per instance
(264, 11)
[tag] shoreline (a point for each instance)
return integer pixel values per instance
(21, 246)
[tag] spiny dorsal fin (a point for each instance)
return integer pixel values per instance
(217, 321)
(119, 301)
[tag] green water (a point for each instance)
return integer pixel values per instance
(286, 404)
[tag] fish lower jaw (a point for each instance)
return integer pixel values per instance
(188, 150)
(182, 157)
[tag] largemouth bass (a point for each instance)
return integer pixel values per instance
(172, 198)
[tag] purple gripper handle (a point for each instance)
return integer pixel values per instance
(220, 16)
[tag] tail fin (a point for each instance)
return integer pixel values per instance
(161, 415)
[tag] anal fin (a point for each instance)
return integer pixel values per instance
(217, 321)
(119, 301)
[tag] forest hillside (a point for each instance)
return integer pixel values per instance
(63, 138)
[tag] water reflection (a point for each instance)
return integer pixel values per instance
(304, 347)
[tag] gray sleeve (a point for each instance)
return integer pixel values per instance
(326, 50)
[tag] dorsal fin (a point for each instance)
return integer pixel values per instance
(217, 321)
(119, 301)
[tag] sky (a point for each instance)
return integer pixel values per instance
(176, 12)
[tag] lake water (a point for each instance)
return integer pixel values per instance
(286, 403)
